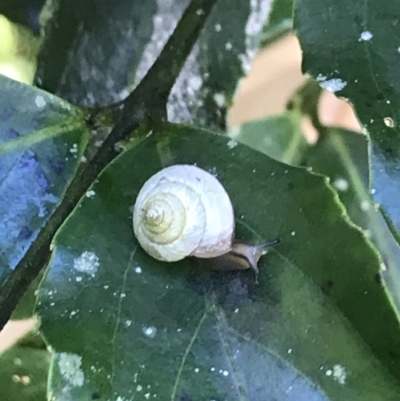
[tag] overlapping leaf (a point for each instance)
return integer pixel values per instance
(118, 43)
(40, 146)
(360, 64)
(279, 137)
(342, 156)
(140, 328)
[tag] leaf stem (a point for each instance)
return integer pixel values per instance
(306, 100)
(144, 105)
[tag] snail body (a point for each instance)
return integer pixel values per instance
(185, 211)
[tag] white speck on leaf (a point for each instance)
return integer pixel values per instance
(197, 370)
(218, 27)
(70, 368)
(365, 205)
(90, 193)
(219, 99)
(293, 233)
(228, 46)
(40, 101)
(127, 323)
(138, 270)
(225, 373)
(87, 262)
(339, 374)
(341, 184)
(332, 85)
(139, 388)
(74, 148)
(150, 331)
(78, 279)
(365, 36)
(195, 82)
(232, 144)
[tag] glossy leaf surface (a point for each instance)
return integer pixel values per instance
(40, 146)
(342, 156)
(120, 42)
(360, 64)
(141, 328)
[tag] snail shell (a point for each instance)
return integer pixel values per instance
(183, 211)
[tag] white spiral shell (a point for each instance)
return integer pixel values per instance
(183, 211)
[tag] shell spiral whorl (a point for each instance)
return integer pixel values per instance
(183, 210)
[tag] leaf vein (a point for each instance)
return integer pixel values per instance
(185, 355)
(118, 319)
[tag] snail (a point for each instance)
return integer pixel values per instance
(184, 211)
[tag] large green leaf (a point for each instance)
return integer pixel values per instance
(41, 140)
(137, 326)
(23, 370)
(342, 156)
(360, 64)
(118, 43)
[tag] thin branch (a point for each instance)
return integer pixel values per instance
(147, 101)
